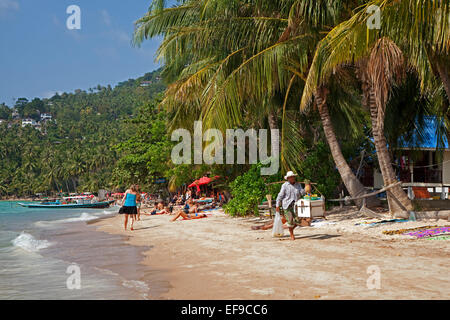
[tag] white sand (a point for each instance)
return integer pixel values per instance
(220, 257)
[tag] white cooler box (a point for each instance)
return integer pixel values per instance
(310, 208)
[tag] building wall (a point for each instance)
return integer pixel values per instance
(446, 167)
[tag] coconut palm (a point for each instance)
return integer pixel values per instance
(418, 28)
(227, 60)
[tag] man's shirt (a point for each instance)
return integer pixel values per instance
(289, 193)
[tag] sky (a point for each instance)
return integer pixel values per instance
(39, 55)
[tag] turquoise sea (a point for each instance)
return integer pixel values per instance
(40, 247)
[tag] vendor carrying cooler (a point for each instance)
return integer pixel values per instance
(290, 192)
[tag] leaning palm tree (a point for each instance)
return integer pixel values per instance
(419, 28)
(384, 67)
(226, 59)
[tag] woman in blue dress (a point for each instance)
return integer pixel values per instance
(129, 206)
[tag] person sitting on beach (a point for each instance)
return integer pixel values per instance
(189, 211)
(180, 201)
(160, 209)
(129, 206)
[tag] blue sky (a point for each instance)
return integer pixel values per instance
(40, 56)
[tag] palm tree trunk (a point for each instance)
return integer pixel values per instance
(74, 185)
(353, 185)
(384, 160)
(272, 118)
(67, 186)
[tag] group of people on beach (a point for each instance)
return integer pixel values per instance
(189, 208)
(185, 206)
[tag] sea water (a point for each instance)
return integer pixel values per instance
(40, 247)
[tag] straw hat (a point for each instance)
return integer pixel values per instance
(289, 174)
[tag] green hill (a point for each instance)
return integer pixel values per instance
(73, 151)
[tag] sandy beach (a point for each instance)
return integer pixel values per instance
(220, 257)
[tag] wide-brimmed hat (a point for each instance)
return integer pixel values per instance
(289, 174)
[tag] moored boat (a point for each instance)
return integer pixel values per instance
(92, 205)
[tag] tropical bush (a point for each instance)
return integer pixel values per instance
(248, 191)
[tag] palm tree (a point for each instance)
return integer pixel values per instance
(384, 66)
(419, 28)
(227, 59)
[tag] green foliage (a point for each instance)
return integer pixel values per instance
(5, 112)
(318, 167)
(248, 191)
(144, 157)
(75, 152)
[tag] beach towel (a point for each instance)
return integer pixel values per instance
(429, 232)
(403, 231)
(375, 224)
(443, 237)
(197, 217)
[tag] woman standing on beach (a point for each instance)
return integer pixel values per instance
(129, 206)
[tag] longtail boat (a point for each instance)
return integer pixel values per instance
(55, 205)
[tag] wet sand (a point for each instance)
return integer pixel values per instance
(220, 257)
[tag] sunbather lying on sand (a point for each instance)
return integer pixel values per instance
(269, 225)
(189, 211)
(160, 209)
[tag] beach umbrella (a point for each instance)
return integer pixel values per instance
(194, 184)
(204, 180)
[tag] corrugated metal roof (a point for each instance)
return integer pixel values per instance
(433, 136)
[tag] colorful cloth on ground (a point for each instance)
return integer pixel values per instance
(402, 231)
(364, 223)
(429, 232)
(443, 237)
(374, 224)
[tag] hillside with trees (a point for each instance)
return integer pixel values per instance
(74, 151)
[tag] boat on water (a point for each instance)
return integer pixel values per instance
(63, 205)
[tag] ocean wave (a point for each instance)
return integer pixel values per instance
(27, 242)
(136, 284)
(83, 217)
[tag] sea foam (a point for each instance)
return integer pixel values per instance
(27, 242)
(83, 217)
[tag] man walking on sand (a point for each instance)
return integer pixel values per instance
(290, 192)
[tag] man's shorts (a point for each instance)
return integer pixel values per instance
(291, 217)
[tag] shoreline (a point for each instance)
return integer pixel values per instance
(219, 257)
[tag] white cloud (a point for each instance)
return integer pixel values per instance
(122, 36)
(106, 17)
(7, 5)
(113, 31)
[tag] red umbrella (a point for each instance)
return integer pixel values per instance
(194, 184)
(204, 180)
(200, 182)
